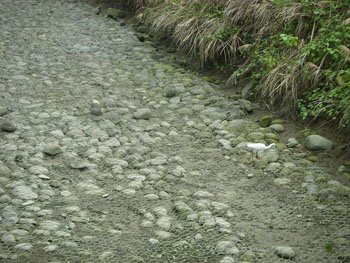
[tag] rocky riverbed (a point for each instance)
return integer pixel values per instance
(110, 154)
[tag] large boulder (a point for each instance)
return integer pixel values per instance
(317, 142)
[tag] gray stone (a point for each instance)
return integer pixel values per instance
(281, 181)
(317, 142)
(285, 252)
(203, 194)
(246, 105)
(270, 155)
(227, 260)
(4, 170)
(3, 111)
(7, 125)
(163, 234)
(164, 222)
(292, 142)
(277, 128)
(144, 114)
(52, 149)
(227, 247)
(170, 93)
(265, 121)
(23, 246)
(182, 207)
(95, 108)
(79, 164)
(8, 238)
(24, 192)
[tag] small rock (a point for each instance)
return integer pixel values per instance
(95, 108)
(50, 248)
(227, 248)
(246, 105)
(171, 93)
(227, 260)
(79, 164)
(144, 114)
(52, 149)
(3, 111)
(24, 246)
(7, 125)
(106, 255)
(285, 252)
(292, 142)
(317, 142)
(281, 181)
(265, 121)
(163, 234)
(164, 222)
(8, 238)
(24, 192)
(277, 128)
(115, 13)
(203, 194)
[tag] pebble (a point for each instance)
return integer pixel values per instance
(7, 125)
(8, 238)
(24, 192)
(227, 247)
(95, 108)
(144, 114)
(24, 246)
(52, 149)
(285, 252)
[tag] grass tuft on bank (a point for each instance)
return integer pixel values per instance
(296, 52)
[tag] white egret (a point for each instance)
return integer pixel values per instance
(256, 147)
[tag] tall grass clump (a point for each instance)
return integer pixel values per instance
(295, 52)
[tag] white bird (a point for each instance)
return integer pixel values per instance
(256, 147)
(259, 146)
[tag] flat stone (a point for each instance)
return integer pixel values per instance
(285, 252)
(8, 238)
(281, 181)
(7, 125)
(143, 114)
(24, 192)
(52, 149)
(277, 128)
(4, 170)
(23, 246)
(163, 234)
(164, 222)
(227, 247)
(227, 260)
(292, 142)
(203, 194)
(246, 105)
(317, 142)
(79, 164)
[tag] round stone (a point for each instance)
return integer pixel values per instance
(7, 125)
(52, 149)
(144, 114)
(285, 252)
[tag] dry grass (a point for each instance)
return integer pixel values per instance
(238, 30)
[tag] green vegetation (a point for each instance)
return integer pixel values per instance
(296, 52)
